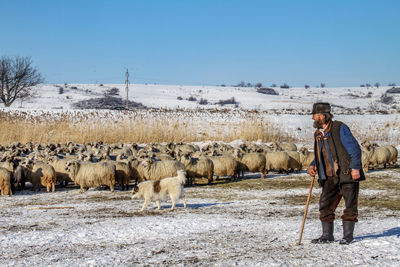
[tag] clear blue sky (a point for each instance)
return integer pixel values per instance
(209, 42)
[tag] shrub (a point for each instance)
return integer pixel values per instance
(394, 90)
(74, 87)
(285, 86)
(60, 90)
(385, 99)
(306, 86)
(192, 98)
(267, 91)
(111, 92)
(203, 101)
(230, 101)
(179, 98)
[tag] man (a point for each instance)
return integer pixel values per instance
(338, 164)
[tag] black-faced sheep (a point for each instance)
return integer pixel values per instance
(87, 174)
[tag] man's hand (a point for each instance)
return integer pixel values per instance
(311, 171)
(355, 174)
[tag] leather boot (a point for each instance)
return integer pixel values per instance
(348, 229)
(327, 234)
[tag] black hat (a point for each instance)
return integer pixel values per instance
(321, 108)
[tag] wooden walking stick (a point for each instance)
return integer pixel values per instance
(305, 212)
(308, 198)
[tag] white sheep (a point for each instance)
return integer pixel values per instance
(378, 156)
(364, 159)
(123, 173)
(225, 166)
(87, 174)
(393, 154)
(156, 170)
(40, 173)
(288, 146)
(5, 182)
(8, 164)
(251, 162)
(278, 161)
(197, 167)
(294, 161)
(59, 166)
(306, 157)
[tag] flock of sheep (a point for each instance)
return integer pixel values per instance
(96, 164)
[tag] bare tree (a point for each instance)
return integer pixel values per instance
(258, 85)
(17, 76)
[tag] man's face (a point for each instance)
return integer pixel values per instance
(319, 119)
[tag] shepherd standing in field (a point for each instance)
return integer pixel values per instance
(338, 164)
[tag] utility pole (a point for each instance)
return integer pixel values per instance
(127, 88)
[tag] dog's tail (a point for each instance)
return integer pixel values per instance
(181, 176)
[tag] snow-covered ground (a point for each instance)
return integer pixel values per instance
(221, 226)
(166, 96)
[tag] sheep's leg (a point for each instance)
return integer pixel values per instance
(158, 204)
(112, 188)
(53, 187)
(48, 188)
(81, 190)
(184, 203)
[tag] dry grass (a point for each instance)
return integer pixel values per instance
(114, 127)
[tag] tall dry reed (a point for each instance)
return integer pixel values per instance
(114, 127)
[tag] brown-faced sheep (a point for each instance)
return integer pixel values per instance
(5, 182)
(250, 162)
(197, 167)
(87, 174)
(40, 173)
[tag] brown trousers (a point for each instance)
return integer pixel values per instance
(332, 193)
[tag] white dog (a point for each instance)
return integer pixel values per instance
(158, 190)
